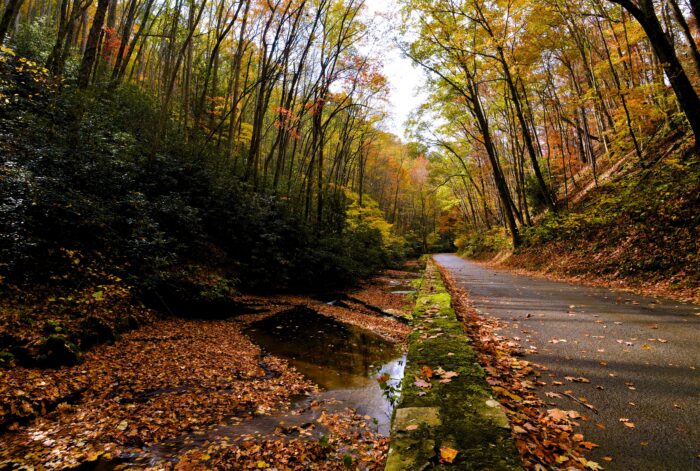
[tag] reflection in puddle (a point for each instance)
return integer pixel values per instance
(332, 354)
(343, 359)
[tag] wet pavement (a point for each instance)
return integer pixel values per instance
(635, 359)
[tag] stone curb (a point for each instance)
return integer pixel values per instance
(451, 408)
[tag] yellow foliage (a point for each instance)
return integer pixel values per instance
(369, 215)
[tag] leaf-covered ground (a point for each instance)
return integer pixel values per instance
(177, 379)
(51, 325)
(169, 378)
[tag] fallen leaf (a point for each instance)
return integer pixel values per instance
(421, 383)
(447, 455)
(557, 414)
(519, 429)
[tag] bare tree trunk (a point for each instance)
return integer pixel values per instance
(92, 44)
(11, 10)
(680, 19)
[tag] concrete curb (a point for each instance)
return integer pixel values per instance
(454, 411)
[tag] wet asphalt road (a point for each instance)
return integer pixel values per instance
(640, 354)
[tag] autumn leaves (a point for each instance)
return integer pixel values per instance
(440, 375)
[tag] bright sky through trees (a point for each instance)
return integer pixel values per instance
(405, 80)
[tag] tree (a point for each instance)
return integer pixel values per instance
(11, 11)
(88, 61)
(687, 97)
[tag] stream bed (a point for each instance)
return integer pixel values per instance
(344, 360)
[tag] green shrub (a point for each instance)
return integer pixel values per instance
(78, 172)
(483, 243)
(34, 39)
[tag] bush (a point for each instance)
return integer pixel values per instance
(533, 192)
(34, 39)
(483, 244)
(78, 175)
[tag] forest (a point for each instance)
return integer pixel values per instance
(210, 209)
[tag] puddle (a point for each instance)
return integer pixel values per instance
(332, 354)
(343, 359)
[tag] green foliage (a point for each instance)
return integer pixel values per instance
(78, 172)
(370, 217)
(483, 243)
(221, 289)
(347, 461)
(34, 39)
(533, 191)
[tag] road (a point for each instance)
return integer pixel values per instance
(640, 354)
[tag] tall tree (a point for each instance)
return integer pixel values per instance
(90, 55)
(644, 12)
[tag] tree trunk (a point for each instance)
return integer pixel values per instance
(688, 99)
(527, 137)
(11, 9)
(680, 19)
(501, 185)
(126, 34)
(92, 43)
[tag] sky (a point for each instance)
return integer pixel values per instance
(405, 80)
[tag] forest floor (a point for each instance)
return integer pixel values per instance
(626, 365)
(160, 394)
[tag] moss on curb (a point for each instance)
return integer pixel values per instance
(460, 414)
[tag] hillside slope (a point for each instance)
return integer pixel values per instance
(638, 230)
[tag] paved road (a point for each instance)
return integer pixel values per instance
(612, 339)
